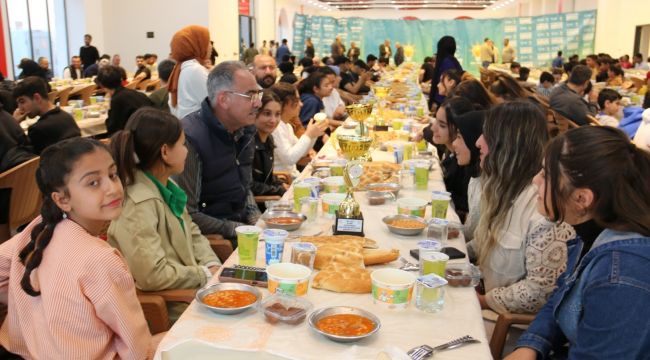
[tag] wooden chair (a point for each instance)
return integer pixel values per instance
(286, 177)
(86, 93)
(64, 96)
(133, 84)
(221, 247)
(52, 95)
(638, 83)
(504, 323)
(593, 121)
(142, 85)
(25, 198)
(487, 76)
(154, 306)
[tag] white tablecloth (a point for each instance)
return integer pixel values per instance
(210, 334)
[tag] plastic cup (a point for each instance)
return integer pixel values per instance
(422, 145)
(421, 175)
(439, 204)
(300, 190)
(247, 239)
(399, 154)
(428, 246)
(303, 254)
(335, 184)
(430, 293)
(408, 151)
(331, 203)
(438, 230)
(397, 124)
(433, 263)
(274, 245)
(309, 208)
(78, 114)
(337, 167)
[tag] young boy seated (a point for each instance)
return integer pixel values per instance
(611, 111)
(546, 83)
(514, 68)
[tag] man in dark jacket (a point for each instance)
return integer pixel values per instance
(124, 102)
(88, 53)
(14, 145)
(220, 142)
(53, 124)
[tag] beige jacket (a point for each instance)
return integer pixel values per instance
(160, 253)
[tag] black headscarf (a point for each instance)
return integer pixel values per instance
(470, 126)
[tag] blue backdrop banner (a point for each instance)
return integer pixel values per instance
(536, 39)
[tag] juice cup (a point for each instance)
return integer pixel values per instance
(408, 151)
(421, 175)
(439, 204)
(337, 167)
(422, 145)
(430, 293)
(78, 114)
(247, 238)
(300, 190)
(397, 124)
(433, 263)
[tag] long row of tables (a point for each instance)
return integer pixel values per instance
(200, 334)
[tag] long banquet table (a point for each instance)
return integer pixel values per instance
(201, 334)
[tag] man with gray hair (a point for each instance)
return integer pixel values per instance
(220, 142)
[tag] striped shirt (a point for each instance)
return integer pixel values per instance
(87, 309)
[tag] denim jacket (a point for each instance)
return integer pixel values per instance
(601, 305)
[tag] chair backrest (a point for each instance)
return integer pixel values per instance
(144, 84)
(638, 83)
(133, 85)
(86, 92)
(52, 95)
(25, 198)
(64, 95)
(593, 121)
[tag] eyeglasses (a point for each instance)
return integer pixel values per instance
(256, 96)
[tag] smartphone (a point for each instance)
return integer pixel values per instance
(452, 252)
(245, 275)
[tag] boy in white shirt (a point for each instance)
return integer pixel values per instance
(611, 111)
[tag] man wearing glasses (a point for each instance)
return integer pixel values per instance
(220, 142)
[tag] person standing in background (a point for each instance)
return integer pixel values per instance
(282, 51)
(399, 54)
(88, 53)
(309, 49)
(487, 53)
(354, 52)
(249, 54)
(337, 47)
(558, 62)
(264, 49)
(508, 52)
(384, 50)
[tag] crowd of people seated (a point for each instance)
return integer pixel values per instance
(549, 232)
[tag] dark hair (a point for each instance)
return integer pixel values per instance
(559, 53)
(138, 145)
(446, 48)
(341, 60)
(514, 65)
(140, 57)
(326, 70)
(30, 68)
(284, 41)
(383, 60)
(109, 77)
(285, 58)
(105, 56)
(592, 57)
(313, 80)
(596, 157)
(268, 96)
(507, 88)
(286, 67)
(306, 62)
(523, 73)
(452, 74)
(165, 69)
(607, 95)
(474, 91)
(580, 74)
(361, 64)
(56, 163)
(148, 56)
(29, 86)
(370, 58)
(557, 71)
(604, 60)
(285, 92)
(638, 55)
(568, 67)
(546, 76)
(454, 107)
(427, 59)
(616, 69)
(325, 60)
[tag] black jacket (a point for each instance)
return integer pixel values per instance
(52, 127)
(264, 182)
(89, 55)
(124, 103)
(456, 181)
(14, 149)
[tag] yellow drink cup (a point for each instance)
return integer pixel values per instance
(247, 239)
(300, 190)
(397, 124)
(408, 151)
(439, 204)
(421, 175)
(433, 263)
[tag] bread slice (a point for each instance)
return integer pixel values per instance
(343, 279)
(379, 256)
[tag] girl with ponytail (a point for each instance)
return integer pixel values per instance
(596, 180)
(162, 246)
(65, 286)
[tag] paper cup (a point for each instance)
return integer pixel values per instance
(290, 279)
(411, 206)
(392, 288)
(335, 184)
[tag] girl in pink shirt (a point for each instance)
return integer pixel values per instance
(69, 294)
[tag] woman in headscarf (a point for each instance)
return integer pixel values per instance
(445, 60)
(188, 82)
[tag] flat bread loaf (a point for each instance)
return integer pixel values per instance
(344, 279)
(379, 256)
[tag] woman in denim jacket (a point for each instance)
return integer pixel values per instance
(596, 180)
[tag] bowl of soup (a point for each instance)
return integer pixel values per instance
(228, 298)
(344, 323)
(285, 220)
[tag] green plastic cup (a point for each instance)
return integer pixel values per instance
(300, 190)
(247, 239)
(433, 263)
(439, 204)
(408, 151)
(397, 124)
(421, 175)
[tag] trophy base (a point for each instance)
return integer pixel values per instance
(348, 226)
(380, 128)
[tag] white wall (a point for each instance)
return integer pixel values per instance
(223, 23)
(616, 24)
(265, 21)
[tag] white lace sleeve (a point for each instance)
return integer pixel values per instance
(546, 256)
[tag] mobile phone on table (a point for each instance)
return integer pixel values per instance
(452, 252)
(245, 275)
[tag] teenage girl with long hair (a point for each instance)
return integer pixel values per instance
(70, 295)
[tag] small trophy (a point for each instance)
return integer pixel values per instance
(349, 220)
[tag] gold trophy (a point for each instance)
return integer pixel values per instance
(356, 149)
